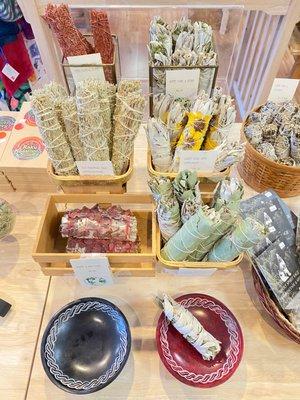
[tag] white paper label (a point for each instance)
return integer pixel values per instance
(10, 72)
(81, 73)
(182, 82)
(273, 208)
(92, 270)
(283, 89)
(202, 160)
(95, 168)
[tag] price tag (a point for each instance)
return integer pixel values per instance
(81, 73)
(10, 72)
(194, 160)
(92, 270)
(283, 89)
(182, 82)
(95, 168)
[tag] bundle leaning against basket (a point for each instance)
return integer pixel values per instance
(273, 310)
(272, 151)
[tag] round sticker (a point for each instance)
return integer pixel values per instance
(19, 126)
(28, 148)
(2, 137)
(7, 122)
(30, 118)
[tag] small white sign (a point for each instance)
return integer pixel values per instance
(198, 160)
(92, 270)
(95, 168)
(283, 89)
(81, 73)
(10, 72)
(182, 82)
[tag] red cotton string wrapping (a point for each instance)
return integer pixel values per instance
(103, 41)
(70, 39)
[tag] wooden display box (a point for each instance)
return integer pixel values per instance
(206, 197)
(49, 249)
(208, 180)
(91, 184)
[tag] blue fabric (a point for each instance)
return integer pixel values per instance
(10, 10)
(8, 32)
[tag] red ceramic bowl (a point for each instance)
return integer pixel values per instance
(183, 361)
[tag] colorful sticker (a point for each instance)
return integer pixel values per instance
(28, 148)
(30, 118)
(7, 123)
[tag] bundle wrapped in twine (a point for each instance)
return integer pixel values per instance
(54, 138)
(91, 124)
(127, 123)
(71, 40)
(103, 40)
(105, 111)
(159, 143)
(247, 234)
(70, 119)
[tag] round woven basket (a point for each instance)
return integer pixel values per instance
(273, 311)
(261, 173)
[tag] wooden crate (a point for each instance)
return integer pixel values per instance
(206, 197)
(208, 180)
(91, 184)
(49, 249)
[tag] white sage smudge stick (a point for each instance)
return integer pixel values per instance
(91, 124)
(127, 125)
(229, 193)
(247, 234)
(105, 111)
(190, 328)
(295, 145)
(159, 143)
(230, 154)
(55, 141)
(70, 119)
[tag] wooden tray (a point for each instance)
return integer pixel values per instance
(49, 249)
(91, 184)
(208, 180)
(206, 197)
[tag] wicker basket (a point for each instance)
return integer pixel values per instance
(91, 184)
(261, 173)
(272, 309)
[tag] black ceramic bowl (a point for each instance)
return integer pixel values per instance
(85, 345)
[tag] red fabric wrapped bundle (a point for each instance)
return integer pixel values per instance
(71, 40)
(102, 39)
(76, 245)
(112, 223)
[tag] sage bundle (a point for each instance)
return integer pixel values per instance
(247, 234)
(191, 329)
(127, 125)
(105, 111)
(223, 221)
(274, 131)
(185, 241)
(231, 153)
(186, 186)
(181, 44)
(54, 138)
(159, 144)
(229, 193)
(167, 206)
(91, 124)
(71, 124)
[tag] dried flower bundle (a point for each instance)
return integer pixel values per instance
(70, 39)
(203, 124)
(274, 131)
